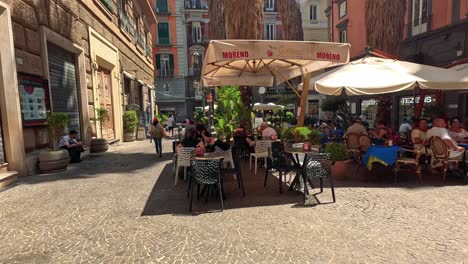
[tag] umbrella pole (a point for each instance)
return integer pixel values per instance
(304, 96)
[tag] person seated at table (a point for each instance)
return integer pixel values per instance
(204, 135)
(418, 136)
(190, 139)
(439, 130)
(356, 127)
(267, 131)
(394, 136)
(456, 132)
(72, 145)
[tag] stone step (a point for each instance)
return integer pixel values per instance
(7, 178)
(3, 167)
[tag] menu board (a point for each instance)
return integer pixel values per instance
(34, 99)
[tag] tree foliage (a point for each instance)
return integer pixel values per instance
(230, 110)
(290, 12)
(56, 124)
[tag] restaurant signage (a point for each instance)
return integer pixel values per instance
(235, 54)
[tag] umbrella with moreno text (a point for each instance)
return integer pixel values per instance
(267, 62)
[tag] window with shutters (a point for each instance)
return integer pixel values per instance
(313, 13)
(342, 9)
(165, 65)
(162, 7)
(419, 17)
(197, 36)
(163, 33)
(269, 5)
(270, 31)
(343, 36)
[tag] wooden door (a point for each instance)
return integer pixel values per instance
(105, 100)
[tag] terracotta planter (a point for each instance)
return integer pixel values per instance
(129, 137)
(342, 169)
(99, 145)
(53, 160)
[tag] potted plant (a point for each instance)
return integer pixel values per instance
(100, 144)
(130, 125)
(54, 159)
(340, 160)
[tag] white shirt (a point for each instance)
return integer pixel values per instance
(170, 122)
(416, 133)
(268, 132)
(67, 140)
(405, 127)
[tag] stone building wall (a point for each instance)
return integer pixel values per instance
(72, 20)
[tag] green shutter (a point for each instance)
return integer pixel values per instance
(163, 33)
(158, 61)
(171, 64)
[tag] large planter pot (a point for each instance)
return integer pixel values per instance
(129, 137)
(342, 169)
(53, 160)
(99, 145)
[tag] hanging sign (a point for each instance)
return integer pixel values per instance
(34, 99)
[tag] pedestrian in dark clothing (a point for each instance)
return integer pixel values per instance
(71, 144)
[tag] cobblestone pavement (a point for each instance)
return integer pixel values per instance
(122, 207)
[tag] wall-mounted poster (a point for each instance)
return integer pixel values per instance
(34, 99)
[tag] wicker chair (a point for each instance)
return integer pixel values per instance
(241, 144)
(261, 152)
(412, 161)
(206, 172)
(352, 143)
(441, 153)
(184, 158)
(227, 155)
(318, 166)
(277, 160)
(236, 169)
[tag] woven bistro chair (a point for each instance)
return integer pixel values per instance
(261, 152)
(352, 143)
(206, 172)
(277, 160)
(441, 153)
(184, 158)
(227, 155)
(408, 161)
(318, 166)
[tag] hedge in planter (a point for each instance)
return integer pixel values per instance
(339, 157)
(130, 122)
(55, 159)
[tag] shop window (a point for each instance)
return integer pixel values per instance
(369, 111)
(407, 105)
(342, 9)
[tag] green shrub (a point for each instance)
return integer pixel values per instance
(130, 121)
(337, 151)
(56, 124)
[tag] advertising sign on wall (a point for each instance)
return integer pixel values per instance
(34, 99)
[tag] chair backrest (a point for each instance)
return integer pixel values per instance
(227, 153)
(185, 156)
(352, 140)
(364, 142)
(318, 165)
(277, 156)
(439, 148)
(261, 146)
(206, 171)
(236, 155)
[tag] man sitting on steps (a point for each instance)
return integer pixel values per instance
(74, 147)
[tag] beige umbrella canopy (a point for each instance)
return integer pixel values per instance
(266, 107)
(372, 75)
(266, 62)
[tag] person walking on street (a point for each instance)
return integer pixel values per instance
(170, 125)
(157, 133)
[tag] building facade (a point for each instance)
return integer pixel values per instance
(436, 33)
(74, 57)
(170, 59)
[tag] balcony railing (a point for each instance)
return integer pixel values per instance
(164, 73)
(196, 4)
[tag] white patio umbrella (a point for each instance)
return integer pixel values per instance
(266, 107)
(372, 75)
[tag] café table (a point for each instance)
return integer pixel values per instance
(295, 152)
(386, 155)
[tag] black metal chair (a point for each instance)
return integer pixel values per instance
(241, 144)
(277, 160)
(317, 166)
(236, 156)
(206, 172)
